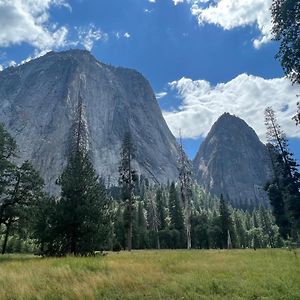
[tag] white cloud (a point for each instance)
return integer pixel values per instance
(178, 1)
(152, 1)
(36, 53)
(245, 96)
(230, 14)
(161, 95)
(12, 63)
(87, 36)
(28, 21)
(1, 68)
(127, 35)
(120, 35)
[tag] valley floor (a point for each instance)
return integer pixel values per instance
(196, 274)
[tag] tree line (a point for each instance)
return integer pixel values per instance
(137, 214)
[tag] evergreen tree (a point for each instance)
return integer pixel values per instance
(152, 214)
(215, 231)
(176, 215)
(83, 207)
(199, 231)
(284, 189)
(186, 191)
(142, 240)
(44, 225)
(285, 19)
(22, 190)
(78, 222)
(240, 231)
(225, 222)
(119, 229)
(127, 179)
(161, 209)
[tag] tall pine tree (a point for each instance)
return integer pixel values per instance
(127, 179)
(226, 223)
(186, 191)
(176, 215)
(82, 210)
(284, 189)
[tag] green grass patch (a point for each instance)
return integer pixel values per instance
(196, 274)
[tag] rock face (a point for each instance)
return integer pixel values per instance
(39, 101)
(233, 161)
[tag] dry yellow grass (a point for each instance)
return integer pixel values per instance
(235, 274)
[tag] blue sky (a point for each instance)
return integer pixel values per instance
(201, 57)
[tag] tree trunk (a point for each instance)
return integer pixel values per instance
(188, 237)
(188, 226)
(129, 234)
(73, 241)
(229, 242)
(157, 239)
(6, 237)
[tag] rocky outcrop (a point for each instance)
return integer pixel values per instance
(39, 100)
(233, 161)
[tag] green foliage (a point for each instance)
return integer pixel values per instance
(20, 187)
(285, 19)
(127, 179)
(225, 223)
(176, 215)
(78, 222)
(284, 189)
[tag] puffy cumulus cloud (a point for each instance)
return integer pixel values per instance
(87, 36)
(245, 96)
(28, 21)
(230, 14)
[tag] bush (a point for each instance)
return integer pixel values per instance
(117, 247)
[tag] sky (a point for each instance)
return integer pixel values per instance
(201, 57)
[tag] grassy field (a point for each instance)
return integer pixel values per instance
(234, 274)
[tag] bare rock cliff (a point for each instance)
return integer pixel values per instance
(233, 161)
(39, 100)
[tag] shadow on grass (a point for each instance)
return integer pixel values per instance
(18, 258)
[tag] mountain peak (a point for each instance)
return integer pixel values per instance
(38, 105)
(233, 161)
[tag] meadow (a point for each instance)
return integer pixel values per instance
(176, 274)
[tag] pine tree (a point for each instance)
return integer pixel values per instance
(176, 215)
(20, 186)
(127, 180)
(141, 241)
(285, 19)
(186, 191)
(284, 189)
(80, 222)
(240, 229)
(83, 207)
(225, 222)
(152, 213)
(161, 208)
